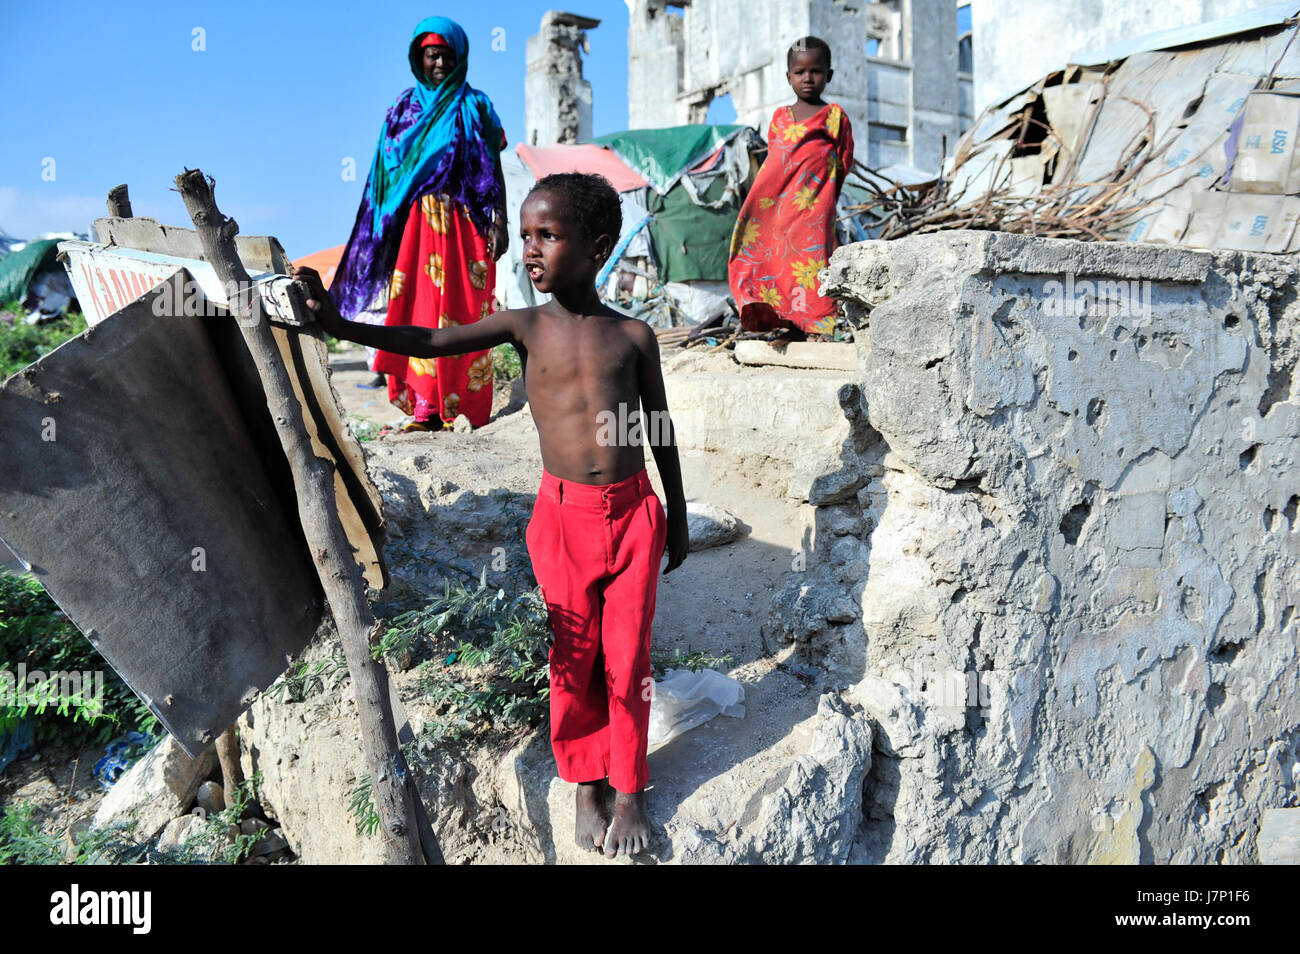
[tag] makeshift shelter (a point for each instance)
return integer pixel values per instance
(681, 190)
(31, 275)
(1183, 137)
(166, 475)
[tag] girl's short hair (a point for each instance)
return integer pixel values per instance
(806, 43)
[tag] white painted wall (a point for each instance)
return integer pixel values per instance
(1018, 41)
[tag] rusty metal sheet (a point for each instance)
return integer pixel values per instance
(134, 491)
(109, 273)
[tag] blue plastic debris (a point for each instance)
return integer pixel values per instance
(15, 742)
(121, 755)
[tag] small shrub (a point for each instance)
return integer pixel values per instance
(22, 842)
(485, 665)
(35, 632)
(506, 365)
(214, 839)
(694, 660)
(21, 343)
(303, 679)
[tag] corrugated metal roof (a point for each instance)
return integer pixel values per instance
(1273, 15)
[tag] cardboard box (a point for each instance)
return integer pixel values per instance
(1265, 146)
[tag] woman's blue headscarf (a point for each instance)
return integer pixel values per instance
(443, 138)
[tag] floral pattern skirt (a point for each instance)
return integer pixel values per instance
(444, 276)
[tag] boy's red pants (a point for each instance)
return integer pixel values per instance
(596, 553)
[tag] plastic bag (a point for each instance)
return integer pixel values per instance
(683, 700)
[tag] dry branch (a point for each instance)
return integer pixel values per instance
(393, 787)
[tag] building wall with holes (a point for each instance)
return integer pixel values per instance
(896, 68)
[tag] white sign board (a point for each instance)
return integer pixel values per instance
(108, 278)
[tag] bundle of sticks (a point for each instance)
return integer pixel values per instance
(1062, 208)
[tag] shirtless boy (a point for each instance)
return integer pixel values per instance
(598, 531)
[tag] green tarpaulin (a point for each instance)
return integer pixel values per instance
(690, 241)
(17, 269)
(662, 155)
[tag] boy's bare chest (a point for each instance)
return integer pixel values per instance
(582, 364)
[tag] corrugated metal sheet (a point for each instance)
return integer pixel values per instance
(1174, 116)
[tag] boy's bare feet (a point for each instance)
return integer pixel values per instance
(630, 831)
(589, 825)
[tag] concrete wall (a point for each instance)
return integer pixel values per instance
(1018, 41)
(1073, 537)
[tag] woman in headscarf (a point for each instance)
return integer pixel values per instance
(430, 227)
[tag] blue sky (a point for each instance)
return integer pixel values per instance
(279, 98)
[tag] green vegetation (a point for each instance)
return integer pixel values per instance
(22, 842)
(218, 840)
(694, 660)
(35, 632)
(302, 679)
(506, 366)
(21, 343)
(484, 658)
(362, 807)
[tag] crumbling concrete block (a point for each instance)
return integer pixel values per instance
(1082, 509)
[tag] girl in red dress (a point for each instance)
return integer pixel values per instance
(786, 228)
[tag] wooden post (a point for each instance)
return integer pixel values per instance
(394, 792)
(232, 773)
(119, 203)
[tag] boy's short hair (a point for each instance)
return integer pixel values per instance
(806, 43)
(591, 200)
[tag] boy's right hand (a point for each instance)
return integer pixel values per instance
(319, 299)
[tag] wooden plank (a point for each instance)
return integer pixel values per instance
(259, 253)
(107, 278)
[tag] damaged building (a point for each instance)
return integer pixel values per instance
(557, 99)
(898, 73)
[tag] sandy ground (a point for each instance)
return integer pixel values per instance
(716, 600)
